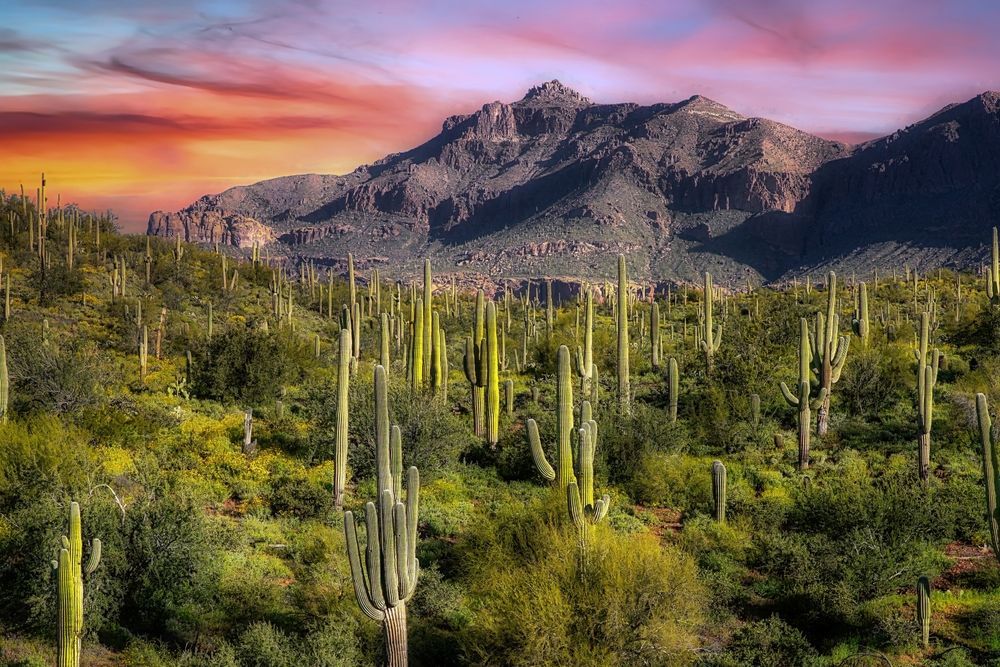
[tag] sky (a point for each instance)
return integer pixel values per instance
(148, 104)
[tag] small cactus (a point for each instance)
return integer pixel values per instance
(924, 610)
(719, 490)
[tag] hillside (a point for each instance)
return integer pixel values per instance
(299, 470)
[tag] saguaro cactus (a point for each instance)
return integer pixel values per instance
(492, 376)
(563, 474)
(508, 394)
(712, 337)
(924, 610)
(428, 332)
(624, 393)
(585, 355)
(70, 588)
(584, 510)
(829, 352)
(654, 334)
(340, 438)
(417, 346)
(673, 383)
(801, 398)
(926, 380)
(719, 490)
(474, 364)
(388, 579)
(991, 471)
(4, 382)
(993, 273)
(860, 322)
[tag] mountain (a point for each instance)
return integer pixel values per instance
(555, 184)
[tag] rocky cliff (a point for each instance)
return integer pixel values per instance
(557, 184)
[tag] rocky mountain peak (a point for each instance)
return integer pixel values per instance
(707, 107)
(554, 93)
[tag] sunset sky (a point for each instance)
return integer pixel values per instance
(143, 105)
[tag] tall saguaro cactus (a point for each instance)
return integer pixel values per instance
(70, 573)
(585, 355)
(343, 417)
(991, 471)
(860, 322)
(673, 383)
(654, 334)
(712, 337)
(4, 382)
(927, 373)
(624, 393)
(993, 272)
(584, 510)
(388, 579)
(829, 351)
(428, 332)
(800, 399)
(563, 473)
(474, 364)
(924, 610)
(492, 376)
(719, 490)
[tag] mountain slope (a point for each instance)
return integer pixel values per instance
(556, 184)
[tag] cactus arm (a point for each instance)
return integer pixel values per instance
(537, 454)
(839, 358)
(576, 512)
(789, 396)
(95, 556)
(387, 537)
(991, 471)
(819, 398)
(412, 509)
(373, 558)
(361, 585)
(601, 508)
(400, 530)
(396, 456)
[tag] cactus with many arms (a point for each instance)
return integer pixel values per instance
(801, 398)
(829, 351)
(387, 580)
(712, 336)
(719, 491)
(584, 510)
(70, 573)
(927, 373)
(991, 471)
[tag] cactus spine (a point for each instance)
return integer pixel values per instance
(926, 379)
(801, 398)
(386, 582)
(924, 610)
(492, 376)
(719, 490)
(340, 437)
(70, 588)
(673, 382)
(991, 471)
(624, 393)
(860, 322)
(829, 352)
(712, 336)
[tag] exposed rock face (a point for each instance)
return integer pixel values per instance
(554, 183)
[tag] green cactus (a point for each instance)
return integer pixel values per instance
(993, 273)
(801, 398)
(654, 337)
(624, 392)
(719, 490)
(508, 394)
(926, 380)
(4, 382)
(991, 471)
(143, 353)
(435, 348)
(443, 344)
(673, 384)
(584, 510)
(924, 610)
(417, 346)
(563, 474)
(351, 284)
(384, 336)
(428, 303)
(69, 573)
(387, 580)
(829, 352)
(492, 376)
(585, 355)
(474, 365)
(860, 322)
(550, 317)
(711, 336)
(343, 418)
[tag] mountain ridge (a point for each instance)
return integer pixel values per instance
(556, 184)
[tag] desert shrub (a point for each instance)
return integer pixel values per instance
(672, 480)
(263, 645)
(637, 602)
(768, 643)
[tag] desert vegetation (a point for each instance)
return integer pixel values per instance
(210, 458)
